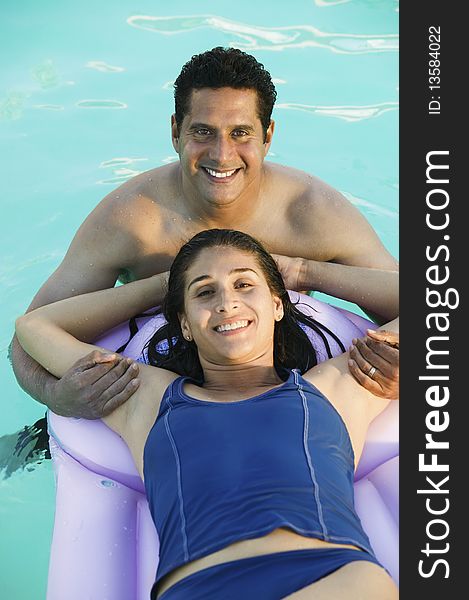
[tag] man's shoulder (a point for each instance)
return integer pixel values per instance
(295, 184)
(141, 197)
(307, 199)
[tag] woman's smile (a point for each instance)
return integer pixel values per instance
(233, 327)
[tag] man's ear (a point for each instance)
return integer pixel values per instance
(174, 133)
(268, 137)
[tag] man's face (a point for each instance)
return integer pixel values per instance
(221, 145)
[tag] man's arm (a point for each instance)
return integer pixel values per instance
(101, 249)
(337, 240)
(348, 247)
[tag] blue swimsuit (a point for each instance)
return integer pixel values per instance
(220, 472)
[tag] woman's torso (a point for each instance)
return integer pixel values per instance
(277, 539)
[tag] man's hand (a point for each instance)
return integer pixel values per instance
(95, 385)
(374, 362)
(291, 270)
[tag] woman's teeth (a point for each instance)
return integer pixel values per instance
(231, 326)
(219, 174)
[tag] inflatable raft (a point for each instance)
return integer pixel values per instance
(105, 546)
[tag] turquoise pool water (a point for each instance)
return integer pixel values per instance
(85, 101)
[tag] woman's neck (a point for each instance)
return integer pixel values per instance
(225, 380)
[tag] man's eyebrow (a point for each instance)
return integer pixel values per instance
(238, 270)
(194, 126)
(199, 126)
(243, 126)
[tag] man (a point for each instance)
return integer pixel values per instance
(222, 131)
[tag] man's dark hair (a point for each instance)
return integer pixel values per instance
(224, 67)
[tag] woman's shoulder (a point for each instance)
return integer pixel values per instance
(351, 400)
(136, 416)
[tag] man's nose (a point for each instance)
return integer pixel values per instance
(221, 150)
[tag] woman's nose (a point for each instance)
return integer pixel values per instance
(226, 302)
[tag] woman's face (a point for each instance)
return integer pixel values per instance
(229, 310)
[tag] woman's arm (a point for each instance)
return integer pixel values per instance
(58, 334)
(88, 316)
(374, 290)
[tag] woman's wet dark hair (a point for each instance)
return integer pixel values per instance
(292, 348)
(224, 67)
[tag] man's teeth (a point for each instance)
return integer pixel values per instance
(231, 326)
(219, 174)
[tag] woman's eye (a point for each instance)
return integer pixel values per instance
(203, 293)
(243, 284)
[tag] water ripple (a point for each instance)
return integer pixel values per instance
(11, 108)
(117, 162)
(10, 267)
(113, 104)
(347, 113)
(330, 2)
(49, 106)
(46, 74)
(326, 3)
(269, 38)
(169, 159)
(370, 206)
(100, 65)
(120, 169)
(122, 175)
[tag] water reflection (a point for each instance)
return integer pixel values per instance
(253, 37)
(11, 108)
(112, 104)
(120, 168)
(46, 74)
(347, 113)
(100, 65)
(49, 106)
(371, 207)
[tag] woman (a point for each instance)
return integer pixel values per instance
(248, 465)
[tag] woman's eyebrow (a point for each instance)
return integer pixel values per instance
(238, 270)
(197, 279)
(242, 270)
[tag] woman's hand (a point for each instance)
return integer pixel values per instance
(374, 362)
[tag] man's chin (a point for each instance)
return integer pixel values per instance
(221, 200)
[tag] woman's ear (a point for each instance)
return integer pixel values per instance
(186, 331)
(278, 309)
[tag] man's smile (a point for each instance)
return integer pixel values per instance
(220, 176)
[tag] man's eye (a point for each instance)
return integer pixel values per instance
(243, 284)
(203, 132)
(239, 133)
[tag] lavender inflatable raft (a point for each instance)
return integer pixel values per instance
(105, 546)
